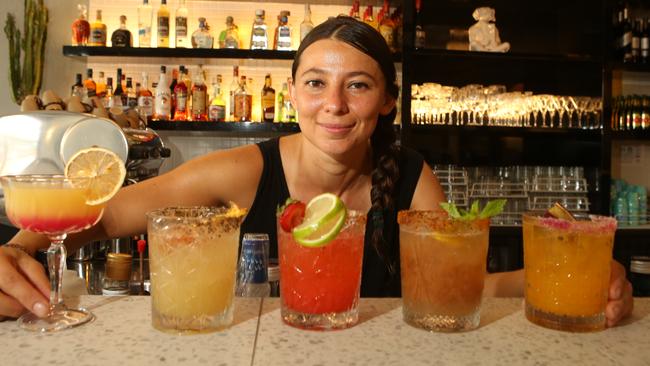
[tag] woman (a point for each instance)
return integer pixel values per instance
(343, 86)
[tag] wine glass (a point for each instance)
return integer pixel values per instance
(55, 206)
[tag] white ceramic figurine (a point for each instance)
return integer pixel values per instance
(484, 35)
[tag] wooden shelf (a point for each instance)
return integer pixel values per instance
(562, 133)
(177, 52)
(631, 135)
(507, 56)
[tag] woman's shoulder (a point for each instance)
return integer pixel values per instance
(410, 160)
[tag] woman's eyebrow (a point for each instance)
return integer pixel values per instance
(320, 71)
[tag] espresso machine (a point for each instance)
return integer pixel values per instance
(42, 142)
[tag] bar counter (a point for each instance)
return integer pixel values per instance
(122, 334)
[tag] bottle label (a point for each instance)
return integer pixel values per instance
(254, 258)
(181, 27)
(163, 26)
(217, 113)
(145, 104)
(203, 41)
(198, 102)
(181, 102)
(163, 103)
(98, 36)
(243, 107)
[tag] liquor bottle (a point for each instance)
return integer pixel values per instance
(77, 88)
(171, 90)
(234, 85)
(163, 24)
(282, 38)
(288, 109)
(162, 102)
(100, 90)
(121, 37)
(131, 95)
(181, 26)
(645, 43)
(217, 108)
(396, 17)
(108, 97)
(184, 77)
(201, 38)
(636, 41)
(199, 97)
(229, 37)
(252, 272)
(118, 273)
(386, 25)
(145, 20)
(259, 33)
(268, 100)
(145, 99)
(119, 96)
(420, 35)
(369, 18)
(306, 26)
(97, 31)
(354, 11)
(626, 37)
(89, 84)
(81, 27)
(243, 102)
(180, 95)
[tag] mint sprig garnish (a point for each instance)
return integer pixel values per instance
(492, 208)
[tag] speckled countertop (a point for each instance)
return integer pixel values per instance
(122, 335)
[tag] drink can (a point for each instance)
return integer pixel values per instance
(254, 258)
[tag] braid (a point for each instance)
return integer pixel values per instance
(384, 179)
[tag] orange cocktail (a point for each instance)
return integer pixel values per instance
(443, 266)
(50, 209)
(567, 265)
(319, 286)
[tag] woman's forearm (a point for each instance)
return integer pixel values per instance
(505, 284)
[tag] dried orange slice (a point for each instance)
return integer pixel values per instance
(104, 168)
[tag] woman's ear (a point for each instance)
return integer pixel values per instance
(388, 105)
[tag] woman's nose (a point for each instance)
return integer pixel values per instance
(335, 102)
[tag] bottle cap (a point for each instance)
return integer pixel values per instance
(259, 12)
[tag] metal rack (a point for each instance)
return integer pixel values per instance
(454, 183)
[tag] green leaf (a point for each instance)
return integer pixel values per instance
(474, 210)
(451, 209)
(492, 208)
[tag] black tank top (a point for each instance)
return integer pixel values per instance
(272, 192)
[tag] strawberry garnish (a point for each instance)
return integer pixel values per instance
(292, 215)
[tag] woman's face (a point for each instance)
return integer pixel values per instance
(339, 92)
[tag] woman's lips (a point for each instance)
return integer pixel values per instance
(335, 127)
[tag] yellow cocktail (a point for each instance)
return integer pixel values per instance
(193, 259)
(443, 266)
(567, 265)
(55, 206)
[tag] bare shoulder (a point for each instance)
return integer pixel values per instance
(428, 192)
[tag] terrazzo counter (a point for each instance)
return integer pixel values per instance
(122, 335)
(505, 337)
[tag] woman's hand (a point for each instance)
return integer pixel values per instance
(620, 302)
(23, 284)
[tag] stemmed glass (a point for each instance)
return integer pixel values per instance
(55, 206)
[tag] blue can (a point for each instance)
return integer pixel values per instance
(254, 259)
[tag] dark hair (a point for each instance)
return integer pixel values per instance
(384, 149)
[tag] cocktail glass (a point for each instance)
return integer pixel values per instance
(319, 286)
(443, 266)
(193, 262)
(567, 266)
(55, 206)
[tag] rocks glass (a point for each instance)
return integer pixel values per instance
(443, 267)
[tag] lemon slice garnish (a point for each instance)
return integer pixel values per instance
(103, 167)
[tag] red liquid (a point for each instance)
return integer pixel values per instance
(56, 225)
(320, 280)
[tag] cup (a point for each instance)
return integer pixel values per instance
(193, 263)
(319, 286)
(567, 267)
(443, 266)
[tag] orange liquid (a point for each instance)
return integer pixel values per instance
(567, 268)
(324, 279)
(49, 209)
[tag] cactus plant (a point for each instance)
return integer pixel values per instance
(25, 73)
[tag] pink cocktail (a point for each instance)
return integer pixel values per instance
(55, 206)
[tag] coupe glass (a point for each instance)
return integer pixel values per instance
(55, 206)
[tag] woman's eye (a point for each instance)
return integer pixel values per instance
(358, 85)
(314, 83)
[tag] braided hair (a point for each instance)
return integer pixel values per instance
(384, 148)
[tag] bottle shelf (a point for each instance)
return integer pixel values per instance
(430, 53)
(631, 135)
(178, 52)
(242, 127)
(620, 66)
